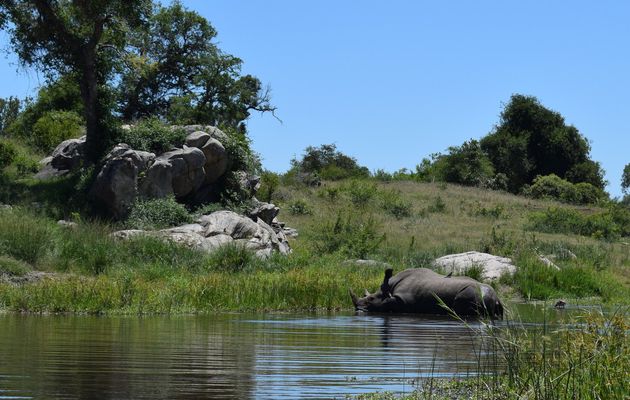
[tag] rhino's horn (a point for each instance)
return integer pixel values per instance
(366, 293)
(354, 298)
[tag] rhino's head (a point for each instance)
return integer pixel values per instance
(380, 301)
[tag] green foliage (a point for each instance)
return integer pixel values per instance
(54, 127)
(153, 136)
(300, 207)
(9, 110)
(232, 258)
(157, 214)
(466, 165)
(612, 223)
(382, 175)
(175, 71)
(393, 202)
(7, 153)
(556, 188)
(625, 179)
(240, 154)
(498, 211)
(24, 236)
(532, 141)
(361, 192)
(438, 206)
(269, 182)
(329, 163)
(353, 234)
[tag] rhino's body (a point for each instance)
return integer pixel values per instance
(420, 291)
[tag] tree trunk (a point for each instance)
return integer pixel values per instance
(89, 93)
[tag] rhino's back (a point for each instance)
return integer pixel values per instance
(419, 287)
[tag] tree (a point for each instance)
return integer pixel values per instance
(75, 37)
(9, 111)
(329, 163)
(625, 179)
(466, 165)
(532, 141)
(175, 71)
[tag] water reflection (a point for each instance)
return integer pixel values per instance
(228, 356)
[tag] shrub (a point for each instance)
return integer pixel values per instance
(329, 163)
(54, 127)
(269, 182)
(609, 224)
(438, 206)
(300, 207)
(361, 192)
(152, 135)
(157, 214)
(353, 234)
(556, 188)
(7, 154)
(394, 204)
(382, 175)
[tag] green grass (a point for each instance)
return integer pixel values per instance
(95, 273)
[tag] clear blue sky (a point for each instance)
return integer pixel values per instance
(392, 82)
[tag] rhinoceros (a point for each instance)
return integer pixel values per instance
(421, 290)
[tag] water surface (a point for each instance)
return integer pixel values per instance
(230, 355)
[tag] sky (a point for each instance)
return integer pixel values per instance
(392, 82)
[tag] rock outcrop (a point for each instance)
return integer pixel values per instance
(214, 230)
(493, 266)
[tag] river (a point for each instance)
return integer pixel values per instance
(227, 356)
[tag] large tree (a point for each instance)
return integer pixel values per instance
(176, 72)
(532, 141)
(82, 37)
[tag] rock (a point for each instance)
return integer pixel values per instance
(368, 263)
(218, 229)
(179, 172)
(493, 266)
(290, 232)
(67, 224)
(5, 207)
(197, 139)
(115, 187)
(265, 211)
(548, 263)
(141, 159)
(213, 131)
(249, 183)
(68, 155)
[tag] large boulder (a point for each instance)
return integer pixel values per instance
(141, 159)
(68, 154)
(493, 266)
(264, 211)
(115, 187)
(249, 183)
(213, 150)
(178, 172)
(212, 231)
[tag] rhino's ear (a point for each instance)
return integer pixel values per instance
(355, 300)
(366, 293)
(385, 285)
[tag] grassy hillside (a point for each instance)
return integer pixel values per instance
(406, 224)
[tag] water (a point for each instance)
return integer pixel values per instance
(228, 356)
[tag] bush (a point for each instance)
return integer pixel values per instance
(152, 135)
(239, 152)
(361, 192)
(329, 163)
(7, 154)
(157, 214)
(54, 127)
(555, 188)
(352, 234)
(382, 175)
(394, 204)
(438, 206)
(269, 182)
(300, 207)
(609, 224)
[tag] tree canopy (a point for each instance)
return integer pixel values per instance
(625, 179)
(83, 38)
(532, 141)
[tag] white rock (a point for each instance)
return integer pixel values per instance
(493, 266)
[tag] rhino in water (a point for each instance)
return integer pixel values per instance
(420, 290)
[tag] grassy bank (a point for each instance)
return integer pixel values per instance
(586, 359)
(45, 267)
